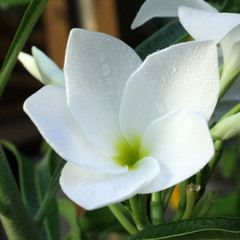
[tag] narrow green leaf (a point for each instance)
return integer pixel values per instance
(172, 33)
(34, 179)
(51, 222)
(29, 19)
(69, 212)
(27, 178)
(221, 228)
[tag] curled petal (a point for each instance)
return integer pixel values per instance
(48, 110)
(182, 144)
(93, 190)
(166, 8)
(97, 67)
(185, 75)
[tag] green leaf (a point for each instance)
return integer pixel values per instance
(170, 34)
(69, 212)
(34, 179)
(221, 228)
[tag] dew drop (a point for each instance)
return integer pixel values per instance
(106, 70)
(102, 57)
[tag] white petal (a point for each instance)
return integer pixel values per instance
(166, 8)
(203, 25)
(97, 67)
(185, 75)
(48, 110)
(29, 63)
(93, 190)
(231, 67)
(182, 144)
(50, 72)
(227, 42)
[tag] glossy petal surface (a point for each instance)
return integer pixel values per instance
(182, 144)
(184, 75)
(94, 190)
(48, 110)
(203, 25)
(166, 8)
(97, 67)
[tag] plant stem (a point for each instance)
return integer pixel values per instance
(156, 208)
(50, 194)
(167, 195)
(29, 19)
(226, 82)
(191, 193)
(118, 213)
(182, 202)
(139, 218)
(208, 203)
(218, 153)
(16, 221)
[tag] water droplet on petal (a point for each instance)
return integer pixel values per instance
(106, 70)
(102, 57)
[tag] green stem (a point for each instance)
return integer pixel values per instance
(208, 203)
(167, 195)
(191, 194)
(139, 218)
(156, 208)
(50, 194)
(16, 221)
(226, 82)
(218, 153)
(116, 209)
(208, 169)
(182, 202)
(29, 19)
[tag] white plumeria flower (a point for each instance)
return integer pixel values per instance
(204, 22)
(128, 127)
(42, 68)
(166, 8)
